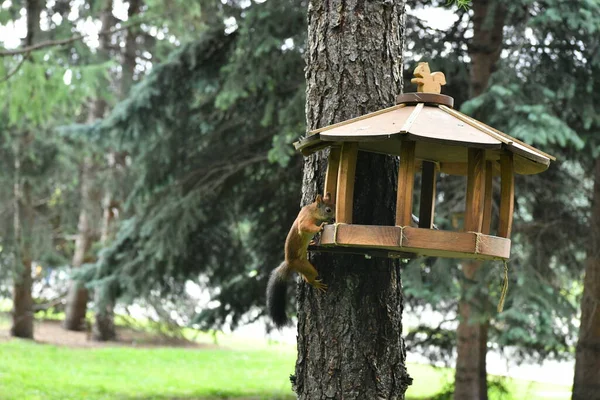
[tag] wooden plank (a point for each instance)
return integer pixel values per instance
(515, 140)
(345, 183)
(361, 235)
(412, 118)
(507, 195)
(537, 155)
(474, 203)
(424, 242)
(477, 125)
(428, 193)
(434, 125)
(424, 239)
(349, 121)
(492, 245)
(454, 168)
(521, 150)
(487, 198)
(406, 180)
(331, 176)
(379, 127)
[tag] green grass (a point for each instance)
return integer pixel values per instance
(31, 371)
(239, 368)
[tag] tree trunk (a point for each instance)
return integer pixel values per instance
(104, 327)
(484, 49)
(471, 374)
(78, 295)
(24, 218)
(586, 385)
(350, 343)
(485, 46)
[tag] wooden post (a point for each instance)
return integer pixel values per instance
(507, 195)
(487, 198)
(406, 179)
(475, 175)
(345, 183)
(427, 202)
(331, 176)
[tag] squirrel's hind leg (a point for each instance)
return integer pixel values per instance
(309, 274)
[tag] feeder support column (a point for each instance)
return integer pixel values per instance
(507, 194)
(345, 183)
(487, 198)
(406, 179)
(475, 188)
(331, 176)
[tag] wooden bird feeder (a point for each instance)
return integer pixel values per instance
(430, 136)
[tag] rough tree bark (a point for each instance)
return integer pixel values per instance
(104, 327)
(24, 218)
(586, 384)
(78, 295)
(350, 343)
(484, 49)
(471, 374)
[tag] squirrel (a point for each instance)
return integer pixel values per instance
(310, 221)
(427, 81)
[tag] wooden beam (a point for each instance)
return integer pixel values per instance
(331, 176)
(507, 195)
(345, 183)
(423, 242)
(475, 175)
(428, 192)
(406, 180)
(487, 198)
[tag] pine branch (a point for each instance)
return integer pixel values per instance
(17, 68)
(54, 43)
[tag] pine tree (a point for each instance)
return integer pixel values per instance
(36, 162)
(535, 317)
(210, 160)
(76, 307)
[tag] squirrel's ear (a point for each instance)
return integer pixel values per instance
(327, 197)
(319, 199)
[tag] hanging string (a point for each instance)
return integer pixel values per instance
(504, 288)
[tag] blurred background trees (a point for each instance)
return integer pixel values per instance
(145, 158)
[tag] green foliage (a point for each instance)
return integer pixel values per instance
(540, 94)
(201, 129)
(460, 3)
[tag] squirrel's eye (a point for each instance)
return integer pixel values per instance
(327, 210)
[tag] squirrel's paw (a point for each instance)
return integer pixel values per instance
(320, 286)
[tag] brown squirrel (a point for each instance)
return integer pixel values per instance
(310, 221)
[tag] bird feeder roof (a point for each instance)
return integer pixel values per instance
(442, 135)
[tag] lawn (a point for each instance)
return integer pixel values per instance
(236, 368)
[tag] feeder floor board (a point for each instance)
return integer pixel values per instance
(418, 241)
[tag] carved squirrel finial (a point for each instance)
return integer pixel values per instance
(427, 81)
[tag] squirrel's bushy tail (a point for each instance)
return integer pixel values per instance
(277, 293)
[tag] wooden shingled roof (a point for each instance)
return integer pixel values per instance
(441, 133)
